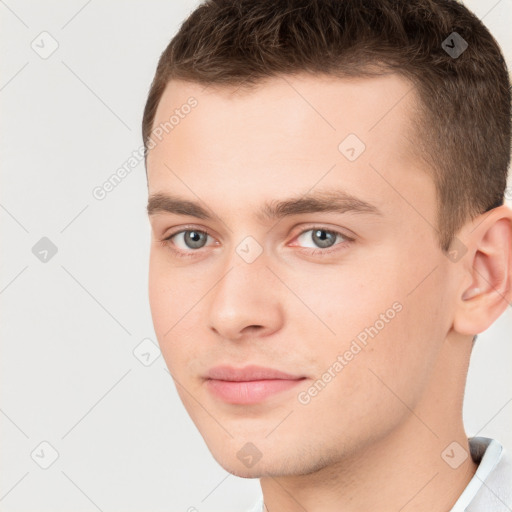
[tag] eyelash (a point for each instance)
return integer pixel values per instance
(166, 242)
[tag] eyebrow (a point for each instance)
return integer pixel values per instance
(336, 201)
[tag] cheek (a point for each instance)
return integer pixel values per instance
(345, 300)
(373, 363)
(399, 356)
(173, 297)
(383, 333)
(160, 299)
(169, 288)
(165, 304)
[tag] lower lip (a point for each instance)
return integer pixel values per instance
(249, 392)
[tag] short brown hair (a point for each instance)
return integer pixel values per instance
(463, 127)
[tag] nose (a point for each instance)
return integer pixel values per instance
(245, 302)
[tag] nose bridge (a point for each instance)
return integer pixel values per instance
(245, 294)
(245, 266)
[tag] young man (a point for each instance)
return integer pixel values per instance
(326, 182)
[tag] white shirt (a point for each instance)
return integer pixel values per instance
(490, 489)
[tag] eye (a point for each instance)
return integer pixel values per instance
(188, 242)
(322, 238)
(188, 239)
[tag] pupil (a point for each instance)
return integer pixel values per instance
(193, 239)
(322, 239)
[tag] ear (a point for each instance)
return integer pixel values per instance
(488, 270)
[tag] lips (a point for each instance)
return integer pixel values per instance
(249, 385)
(248, 373)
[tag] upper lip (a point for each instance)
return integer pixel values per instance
(248, 373)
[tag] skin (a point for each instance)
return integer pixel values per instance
(373, 438)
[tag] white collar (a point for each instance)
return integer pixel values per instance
(486, 453)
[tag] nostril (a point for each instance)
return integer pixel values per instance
(254, 327)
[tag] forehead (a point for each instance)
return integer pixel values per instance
(284, 136)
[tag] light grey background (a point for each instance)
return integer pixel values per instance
(69, 326)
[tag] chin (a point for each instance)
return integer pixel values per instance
(237, 467)
(243, 472)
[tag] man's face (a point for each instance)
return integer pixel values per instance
(292, 292)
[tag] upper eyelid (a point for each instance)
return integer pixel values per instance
(184, 230)
(324, 228)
